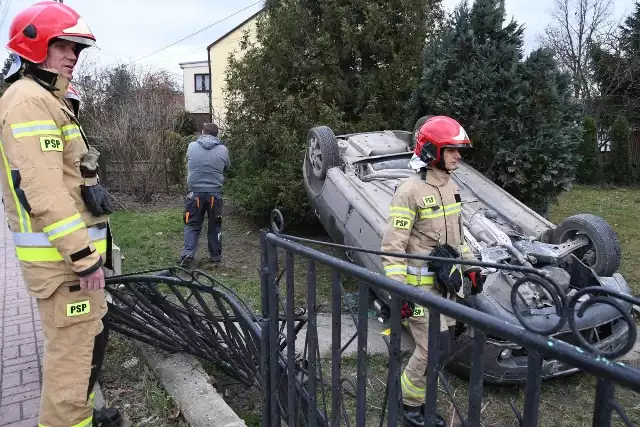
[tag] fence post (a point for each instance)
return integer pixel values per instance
(265, 332)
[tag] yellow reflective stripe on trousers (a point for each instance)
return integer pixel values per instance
(36, 127)
(70, 132)
(395, 269)
(23, 216)
(64, 227)
(42, 254)
(411, 390)
(87, 422)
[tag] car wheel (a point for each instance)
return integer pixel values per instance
(603, 252)
(417, 127)
(322, 150)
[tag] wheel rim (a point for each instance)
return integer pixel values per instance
(315, 156)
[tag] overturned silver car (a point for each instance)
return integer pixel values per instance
(350, 180)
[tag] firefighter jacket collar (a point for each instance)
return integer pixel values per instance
(437, 177)
(51, 80)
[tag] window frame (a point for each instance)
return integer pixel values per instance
(204, 76)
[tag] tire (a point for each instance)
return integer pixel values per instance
(603, 240)
(322, 150)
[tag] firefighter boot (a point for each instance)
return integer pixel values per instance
(414, 417)
(107, 417)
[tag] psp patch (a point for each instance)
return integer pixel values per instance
(401, 223)
(51, 143)
(78, 308)
(429, 201)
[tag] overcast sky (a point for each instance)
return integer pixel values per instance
(129, 30)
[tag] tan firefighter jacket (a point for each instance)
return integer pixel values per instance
(56, 238)
(422, 213)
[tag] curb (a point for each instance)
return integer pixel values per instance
(184, 379)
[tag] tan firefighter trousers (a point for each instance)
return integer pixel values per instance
(413, 380)
(74, 343)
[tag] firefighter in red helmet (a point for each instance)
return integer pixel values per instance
(56, 209)
(424, 217)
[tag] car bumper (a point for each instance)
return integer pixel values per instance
(506, 362)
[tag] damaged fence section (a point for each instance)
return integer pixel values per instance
(276, 348)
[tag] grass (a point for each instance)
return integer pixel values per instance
(153, 238)
(130, 385)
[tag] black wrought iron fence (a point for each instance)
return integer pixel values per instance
(316, 394)
(280, 351)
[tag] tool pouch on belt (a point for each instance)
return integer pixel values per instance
(448, 273)
(93, 193)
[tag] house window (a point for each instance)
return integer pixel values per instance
(202, 82)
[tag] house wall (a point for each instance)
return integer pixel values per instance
(194, 102)
(219, 53)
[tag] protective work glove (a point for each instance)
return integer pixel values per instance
(476, 279)
(93, 193)
(407, 309)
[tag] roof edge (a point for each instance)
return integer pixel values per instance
(222, 37)
(201, 62)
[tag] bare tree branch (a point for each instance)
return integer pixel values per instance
(575, 26)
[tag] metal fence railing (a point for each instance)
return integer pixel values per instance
(303, 375)
(316, 394)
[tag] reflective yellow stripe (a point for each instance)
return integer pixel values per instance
(411, 390)
(70, 230)
(36, 127)
(87, 422)
(401, 215)
(401, 210)
(448, 210)
(23, 217)
(465, 248)
(70, 132)
(64, 227)
(28, 254)
(60, 224)
(412, 279)
(42, 239)
(395, 269)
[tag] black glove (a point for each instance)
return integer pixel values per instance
(407, 309)
(93, 193)
(477, 280)
(96, 199)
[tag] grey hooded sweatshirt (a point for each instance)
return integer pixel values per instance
(207, 160)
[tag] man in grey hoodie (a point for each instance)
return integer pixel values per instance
(207, 160)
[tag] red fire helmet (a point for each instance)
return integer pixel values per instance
(33, 29)
(436, 133)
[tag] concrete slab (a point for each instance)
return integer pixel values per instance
(375, 341)
(185, 380)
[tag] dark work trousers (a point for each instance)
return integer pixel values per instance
(196, 206)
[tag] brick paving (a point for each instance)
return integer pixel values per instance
(20, 341)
